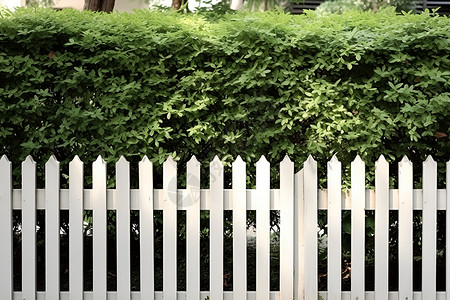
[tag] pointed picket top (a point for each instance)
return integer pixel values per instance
(405, 160)
(52, 161)
(76, 160)
(334, 159)
(99, 160)
(286, 159)
(145, 160)
(29, 160)
(216, 163)
(122, 161)
(170, 162)
(358, 160)
(381, 160)
(310, 161)
(5, 160)
(238, 161)
(429, 161)
(263, 161)
(334, 163)
(193, 162)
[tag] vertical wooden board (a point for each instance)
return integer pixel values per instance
(170, 229)
(193, 230)
(358, 227)
(76, 217)
(334, 228)
(52, 235)
(216, 230)
(29, 229)
(287, 229)
(299, 237)
(310, 226)
(6, 246)
(239, 230)
(123, 229)
(381, 229)
(146, 229)
(99, 229)
(263, 229)
(447, 237)
(405, 233)
(429, 228)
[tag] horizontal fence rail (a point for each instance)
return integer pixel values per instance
(298, 201)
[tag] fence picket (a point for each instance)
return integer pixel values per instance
(405, 233)
(170, 229)
(310, 221)
(146, 229)
(429, 218)
(52, 235)
(216, 230)
(334, 228)
(381, 229)
(123, 229)
(239, 230)
(299, 238)
(99, 229)
(29, 229)
(358, 251)
(286, 229)
(193, 230)
(263, 229)
(76, 217)
(6, 223)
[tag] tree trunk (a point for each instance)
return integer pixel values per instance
(99, 5)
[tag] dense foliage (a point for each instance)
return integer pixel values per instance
(269, 84)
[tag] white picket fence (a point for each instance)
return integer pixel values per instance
(298, 200)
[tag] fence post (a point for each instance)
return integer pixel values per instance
(299, 237)
(123, 228)
(286, 229)
(193, 230)
(429, 227)
(310, 219)
(99, 242)
(76, 218)
(263, 229)
(6, 223)
(29, 229)
(405, 233)
(216, 230)
(334, 228)
(381, 229)
(239, 230)
(170, 229)
(52, 234)
(358, 251)
(146, 229)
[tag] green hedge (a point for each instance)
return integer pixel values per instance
(257, 84)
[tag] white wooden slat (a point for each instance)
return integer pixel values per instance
(447, 237)
(6, 246)
(310, 226)
(193, 230)
(239, 230)
(405, 233)
(76, 217)
(358, 229)
(99, 229)
(334, 228)
(287, 229)
(429, 228)
(123, 229)
(52, 235)
(216, 230)
(263, 229)
(299, 238)
(29, 229)
(170, 229)
(381, 229)
(146, 229)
